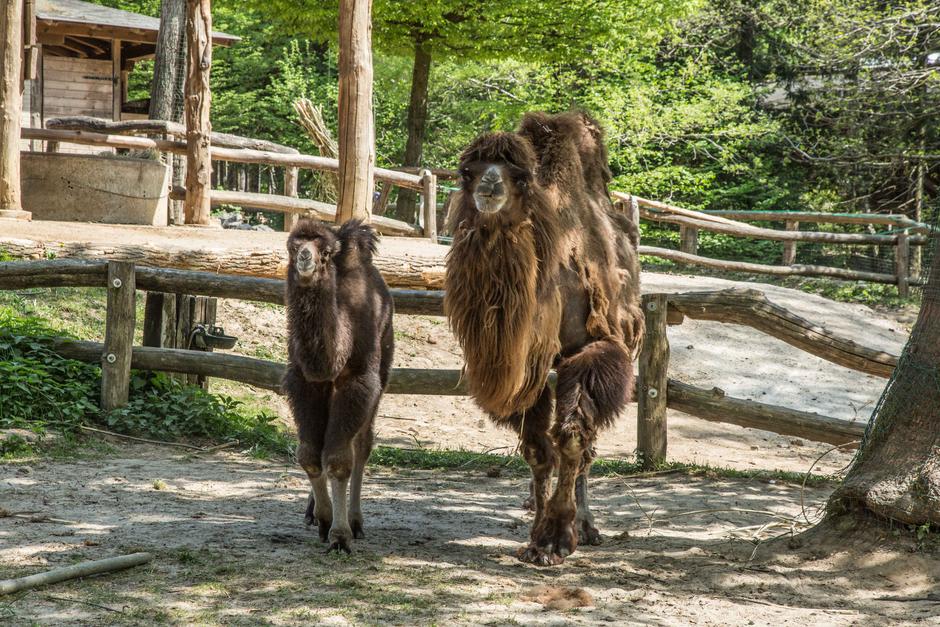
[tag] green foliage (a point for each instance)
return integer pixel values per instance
(44, 391)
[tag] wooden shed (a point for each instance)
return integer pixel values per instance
(82, 54)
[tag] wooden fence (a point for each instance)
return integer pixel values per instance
(655, 391)
(908, 233)
(234, 149)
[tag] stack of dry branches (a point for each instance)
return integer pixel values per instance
(311, 118)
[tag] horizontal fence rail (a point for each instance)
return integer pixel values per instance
(656, 391)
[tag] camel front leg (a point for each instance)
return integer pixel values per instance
(319, 507)
(537, 449)
(352, 407)
(593, 387)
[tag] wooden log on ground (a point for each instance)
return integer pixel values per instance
(715, 406)
(759, 268)
(85, 569)
(197, 102)
(119, 336)
(320, 210)
(751, 308)
(257, 372)
(651, 388)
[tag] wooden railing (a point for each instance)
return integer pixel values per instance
(236, 149)
(909, 233)
(655, 390)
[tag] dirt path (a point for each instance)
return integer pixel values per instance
(230, 547)
(743, 362)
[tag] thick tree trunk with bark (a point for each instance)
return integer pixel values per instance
(896, 475)
(169, 69)
(356, 127)
(11, 104)
(417, 123)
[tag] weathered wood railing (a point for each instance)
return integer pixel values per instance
(655, 391)
(242, 150)
(909, 233)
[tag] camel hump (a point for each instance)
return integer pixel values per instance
(358, 238)
(566, 145)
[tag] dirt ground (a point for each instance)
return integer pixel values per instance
(229, 547)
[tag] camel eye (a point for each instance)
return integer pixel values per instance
(466, 175)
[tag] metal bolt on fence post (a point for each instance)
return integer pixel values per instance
(653, 392)
(111, 358)
(116, 283)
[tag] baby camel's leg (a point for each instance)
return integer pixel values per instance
(351, 409)
(593, 386)
(363, 448)
(310, 403)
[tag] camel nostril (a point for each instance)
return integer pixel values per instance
(305, 255)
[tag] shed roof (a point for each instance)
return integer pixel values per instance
(76, 17)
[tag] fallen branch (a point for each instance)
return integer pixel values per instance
(111, 564)
(135, 439)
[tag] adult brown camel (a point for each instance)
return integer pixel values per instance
(544, 273)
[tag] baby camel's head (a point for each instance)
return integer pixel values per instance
(312, 247)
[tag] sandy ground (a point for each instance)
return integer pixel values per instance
(230, 547)
(737, 359)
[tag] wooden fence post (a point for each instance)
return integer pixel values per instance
(198, 97)
(902, 263)
(651, 399)
(119, 335)
(290, 189)
(429, 195)
(789, 247)
(688, 239)
(11, 105)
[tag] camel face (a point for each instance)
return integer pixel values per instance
(490, 193)
(311, 256)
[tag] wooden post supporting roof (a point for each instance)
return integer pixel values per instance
(356, 132)
(198, 129)
(11, 106)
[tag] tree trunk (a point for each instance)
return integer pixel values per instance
(198, 97)
(356, 126)
(417, 123)
(169, 69)
(896, 475)
(11, 105)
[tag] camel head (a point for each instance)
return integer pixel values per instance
(311, 248)
(496, 171)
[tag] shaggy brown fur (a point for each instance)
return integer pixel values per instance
(543, 272)
(340, 346)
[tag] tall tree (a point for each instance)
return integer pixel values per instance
(575, 30)
(169, 69)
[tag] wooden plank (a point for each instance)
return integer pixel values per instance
(429, 197)
(119, 336)
(197, 103)
(688, 239)
(789, 248)
(751, 308)
(290, 189)
(651, 390)
(758, 268)
(715, 406)
(257, 372)
(822, 218)
(902, 264)
(315, 208)
(76, 91)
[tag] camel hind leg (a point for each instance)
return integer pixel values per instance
(363, 448)
(594, 385)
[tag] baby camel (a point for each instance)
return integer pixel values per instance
(340, 345)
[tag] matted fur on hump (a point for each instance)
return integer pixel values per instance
(500, 297)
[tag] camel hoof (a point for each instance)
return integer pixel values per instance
(540, 555)
(589, 535)
(528, 504)
(358, 533)
(324, 530)
(339, 547)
